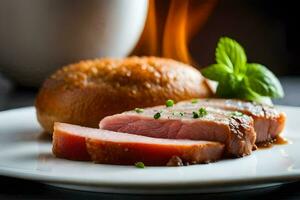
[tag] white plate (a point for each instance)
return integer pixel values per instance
(26, 153)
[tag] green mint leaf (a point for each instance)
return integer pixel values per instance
(250, 95)
(264, 100)
(262, 81)
(216, 72)
(231, 53)
(229, 87)
(238, 79)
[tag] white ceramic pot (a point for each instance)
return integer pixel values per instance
(39, 36)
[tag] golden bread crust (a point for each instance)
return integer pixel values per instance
(85, 92)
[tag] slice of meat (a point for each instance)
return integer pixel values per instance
(177, 122)
(109, 147)
(268, 122)
(69, 144)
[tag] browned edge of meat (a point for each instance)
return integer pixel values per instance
(236, 132)
(268, 121)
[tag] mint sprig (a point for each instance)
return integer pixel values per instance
(238, 79)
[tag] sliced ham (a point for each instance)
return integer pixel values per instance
(177, 122)
(102, 146)
(268, 122)
(68, 143)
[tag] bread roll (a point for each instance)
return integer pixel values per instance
(85, 92)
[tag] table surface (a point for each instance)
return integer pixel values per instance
(11, 188)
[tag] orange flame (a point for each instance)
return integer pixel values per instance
(148, 44)
(175, 34)
(183, 20)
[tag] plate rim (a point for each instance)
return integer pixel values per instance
(30, 175)
(196, 183)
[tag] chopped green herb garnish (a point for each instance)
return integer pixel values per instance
(139, 165)
(195, 115)
(194, 101)
(139, 110)
(239, 79)
(236, 113)
(157, 115)
(202, 112)
(169, 103)
(178, 113)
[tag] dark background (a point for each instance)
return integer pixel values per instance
(268, 30)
